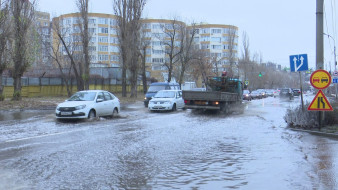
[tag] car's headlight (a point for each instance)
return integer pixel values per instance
(80, 107)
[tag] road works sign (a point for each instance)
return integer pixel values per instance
(320, 79)
(320, 103)
(298, 63)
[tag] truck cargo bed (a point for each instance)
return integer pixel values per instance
(210, 96)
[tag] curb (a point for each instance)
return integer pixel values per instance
(319, 133)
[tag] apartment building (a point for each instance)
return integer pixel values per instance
(103, 42)
(218, 41)
(42, 21)
(161, 33)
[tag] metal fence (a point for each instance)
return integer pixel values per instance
(53, 81)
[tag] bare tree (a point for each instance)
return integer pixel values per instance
(4, 36)
(201, 66)
(23, 18)
(83, 8)
(145, 43)
(244, 62)
(129, 13)
(67, 49)
(232, 56)
(172, 44)
(187, 49)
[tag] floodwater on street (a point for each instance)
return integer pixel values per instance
(170, 150)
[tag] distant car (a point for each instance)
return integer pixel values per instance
(157, 86)
(256, 95)
(286, 93)
(88, 104)
(263, 93)
(269, 92)
(276, 93)
(166, 100)
(296, 92)
(247, 95)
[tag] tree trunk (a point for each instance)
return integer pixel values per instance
(144, 76)
(1, 88)
(17, 88)
(124, 82)
(133, 83)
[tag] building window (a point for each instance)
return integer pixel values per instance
(92, 58)
(91, 30)
(103, 48)
(92, 21)
(113, 31)
(76, 29)
(157, 60)
(103, 39)
(205, 46)
(157, 51)
(92, 48)
(146, 26)
(205, 31)
(113, 22)
(103, 57)
(216, 31)
(103, 21)
(148, 59)
(92, 39)
(103, 30)
(205, 38)
(114, 49)
(216, 47)
(115, 58)
(214, 39)
(114, 40)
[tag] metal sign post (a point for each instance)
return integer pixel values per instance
(299, 63)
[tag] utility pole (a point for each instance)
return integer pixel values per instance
(319, 35)
(320, 46)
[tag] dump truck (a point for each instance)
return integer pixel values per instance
(222, 93)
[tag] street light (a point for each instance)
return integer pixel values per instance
(334, 50)
(335, 62)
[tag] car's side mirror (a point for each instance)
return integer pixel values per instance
(99, 100)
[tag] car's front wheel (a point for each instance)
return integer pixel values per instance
(174, 108)
(115, 113)
(91, 115)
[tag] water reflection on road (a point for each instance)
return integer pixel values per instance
(181, 150)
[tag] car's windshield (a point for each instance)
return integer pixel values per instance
(156, 88)
(246, 92)
(83, 96)
(165, 94)
(284, 90)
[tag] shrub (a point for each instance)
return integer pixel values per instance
(308, 119)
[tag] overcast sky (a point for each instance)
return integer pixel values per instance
(276, 28)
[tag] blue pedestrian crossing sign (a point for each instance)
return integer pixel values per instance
(298, 63)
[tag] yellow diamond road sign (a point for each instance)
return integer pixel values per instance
(320, 103)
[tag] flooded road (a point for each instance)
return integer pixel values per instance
(180, 150)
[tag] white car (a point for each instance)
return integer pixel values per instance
(166, 100)
(88, 104)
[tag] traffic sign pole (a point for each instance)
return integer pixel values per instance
(301, 90)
